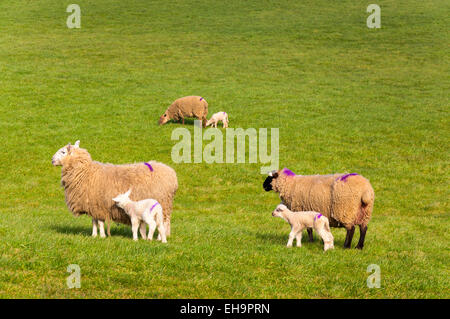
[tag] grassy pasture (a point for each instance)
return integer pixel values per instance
(346, 99)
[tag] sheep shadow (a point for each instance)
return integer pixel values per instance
(270, 238)
(87, 231)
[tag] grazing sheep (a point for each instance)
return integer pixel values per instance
(144, 212)
(220, 116)
(345, 199)
(188, 106)
(89, 186)
(302, 220)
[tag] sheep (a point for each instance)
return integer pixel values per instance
(345, 199)
(220, 116)
(89, 186)
(302, 220)
(188, 106)
(144, 212)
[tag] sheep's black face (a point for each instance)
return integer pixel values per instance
(268, 183)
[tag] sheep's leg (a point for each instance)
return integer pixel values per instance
(101, 226)
(142, 230)
(362, 236)
(162, 232)
(94, 227)
(348, 239)
(151, 230)
(134, 228)
(108, 227)
(292, 235)
(182, 120)
(298, 238)
(310, 234)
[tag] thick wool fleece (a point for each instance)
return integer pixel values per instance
(346, 199)
(90, 186)
(188, 106)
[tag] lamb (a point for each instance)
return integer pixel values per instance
(345, 199)
(89, 186)
(220, 116)
(188, 106)
(144, 212)
(302, 220)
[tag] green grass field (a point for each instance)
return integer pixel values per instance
(345, 97)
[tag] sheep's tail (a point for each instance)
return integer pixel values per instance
(367, 197)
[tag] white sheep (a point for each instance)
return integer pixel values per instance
(220, 116)
(302, 220)
(144, 212)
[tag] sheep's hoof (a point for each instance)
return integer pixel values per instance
(359, 247)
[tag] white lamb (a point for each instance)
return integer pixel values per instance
(220, 116)
(144, 212)
(302, 220)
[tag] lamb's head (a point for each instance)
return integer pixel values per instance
(278, 210)
(63, 152)
(122, 199)
(164, 118)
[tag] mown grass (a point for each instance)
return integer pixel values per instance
(346, 99)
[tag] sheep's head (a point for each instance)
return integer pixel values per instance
(63, 152)
(164, 118)
(280, 208)
(268, 181)
(121, 199)
(273, 175)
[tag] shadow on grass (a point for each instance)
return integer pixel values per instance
(87, 231)
(282, 240)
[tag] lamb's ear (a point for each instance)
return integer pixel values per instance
(128, 193)
(77, 144)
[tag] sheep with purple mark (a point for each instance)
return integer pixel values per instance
(345, 199)
(89, 186)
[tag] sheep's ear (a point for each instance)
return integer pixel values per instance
(69, 147)
(275, 174)
(77, 144)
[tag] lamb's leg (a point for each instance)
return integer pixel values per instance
(310, 234)
(182, 120)
(362, 236)
(292, 235)
(134, 228)
(325, 237)
(142, 230)
(101, 226)
(94, 227)
(162, 231)
(348, 239)
(151, 230)
(298, 238)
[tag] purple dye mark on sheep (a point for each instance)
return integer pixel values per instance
(149, 166)
(318, 216)
(288, 172)
(153, 206)
(343, 178)
(201, 98)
